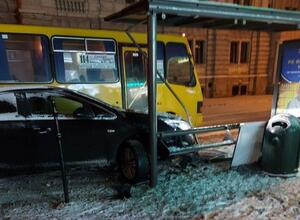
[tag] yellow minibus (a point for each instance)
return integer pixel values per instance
(102, 63)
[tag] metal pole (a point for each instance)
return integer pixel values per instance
(197, 130)
(61, 155)
(151, 81)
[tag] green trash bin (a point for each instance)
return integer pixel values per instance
(280, 150)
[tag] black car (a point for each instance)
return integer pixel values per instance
(90, 130)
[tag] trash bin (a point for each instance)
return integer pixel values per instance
(280, 150)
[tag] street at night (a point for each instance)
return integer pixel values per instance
(150, 109)
(237, 109)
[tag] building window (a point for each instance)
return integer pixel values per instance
(203, 90)
(239, 52)
(243, 90)
(191, 45)
(244, 52)
(199, 51)
(239, 90)
(235, 90)
(240, 2)
(247, 2)
(291, 8)
(234, 50)
(129, 1)
(78, 6)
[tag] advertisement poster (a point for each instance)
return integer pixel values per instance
(289, 87)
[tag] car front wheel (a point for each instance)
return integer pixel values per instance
(133, 161)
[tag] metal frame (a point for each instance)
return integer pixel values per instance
(217, 10)
(198, 130)
(85, 44)
(277, 82)
(242, 16)
(151, 81)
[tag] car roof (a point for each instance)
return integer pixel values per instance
(14, 88)
(54, 88)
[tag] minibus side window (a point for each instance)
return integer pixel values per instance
(24, 58)
(179, 69)
(135, 68)
(83, 60)
(136, 61)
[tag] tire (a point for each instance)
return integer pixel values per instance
(133, 161)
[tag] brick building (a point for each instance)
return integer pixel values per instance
(229, 62)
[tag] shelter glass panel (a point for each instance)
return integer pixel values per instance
(289, 86)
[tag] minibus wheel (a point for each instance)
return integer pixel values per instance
(133, 161)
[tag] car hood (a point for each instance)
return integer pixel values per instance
(165, 121)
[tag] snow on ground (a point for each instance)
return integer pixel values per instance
(184, 190)
(280, 202)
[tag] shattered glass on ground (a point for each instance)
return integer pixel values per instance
(185, 189)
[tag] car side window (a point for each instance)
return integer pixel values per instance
(39, 105)
(67, 107)
(8, 106)
(71, 107)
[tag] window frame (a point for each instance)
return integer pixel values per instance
(116, 54)
(50, 59)
(239, 52)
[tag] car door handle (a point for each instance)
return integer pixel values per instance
(42, 130)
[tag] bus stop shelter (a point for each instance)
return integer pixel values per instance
(201, 14)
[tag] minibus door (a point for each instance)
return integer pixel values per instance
(135, 68)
